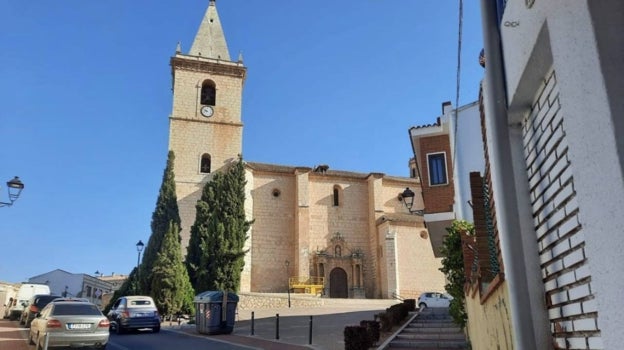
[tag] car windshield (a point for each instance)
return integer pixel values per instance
(75, 309)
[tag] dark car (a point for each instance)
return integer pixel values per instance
(134, 312)
(35, 304)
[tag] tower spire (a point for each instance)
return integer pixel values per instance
(210, 41)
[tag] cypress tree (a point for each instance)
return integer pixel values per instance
(199, 235)
(216, 250)
(166, 212)
(171, 288)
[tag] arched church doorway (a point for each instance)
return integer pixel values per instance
(338, 286)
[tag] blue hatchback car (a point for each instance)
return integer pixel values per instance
(134, 312)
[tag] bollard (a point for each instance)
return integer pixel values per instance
(276, 326)
(310, 337)
(252, 323)
(45, 341)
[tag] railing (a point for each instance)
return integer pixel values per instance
(307, 284)
(396, 296)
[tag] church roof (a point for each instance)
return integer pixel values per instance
(320, 170)
(210, 40)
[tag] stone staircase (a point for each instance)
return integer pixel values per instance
(432, 328)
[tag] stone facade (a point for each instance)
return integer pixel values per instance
(325, 223)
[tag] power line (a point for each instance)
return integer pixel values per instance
(458, 79)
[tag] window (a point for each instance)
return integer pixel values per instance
(205, 163)
(208, 93)
(336, 196)
(437, 168)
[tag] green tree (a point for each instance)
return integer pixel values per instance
(171, 288)
(215, 257)
(453, 268)
(166, 212)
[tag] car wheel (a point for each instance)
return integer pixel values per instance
(422, 305)
(119, 329)
(156, 329)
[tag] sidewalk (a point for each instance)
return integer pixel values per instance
(328, 324)
(12, 335)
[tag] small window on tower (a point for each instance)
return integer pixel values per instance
(208, 93)
(205, 163)
(336, 196)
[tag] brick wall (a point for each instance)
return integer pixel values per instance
(572, 308)
(437, 198)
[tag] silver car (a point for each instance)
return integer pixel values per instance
(69, 324)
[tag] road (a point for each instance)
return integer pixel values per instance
(14, 337)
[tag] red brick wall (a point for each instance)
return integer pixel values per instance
(439, 198)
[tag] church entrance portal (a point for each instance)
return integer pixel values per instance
(338, 287)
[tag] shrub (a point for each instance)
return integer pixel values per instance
(411, 304)
(385, 322)
(372, 327)
(397, 313)
(357, 338)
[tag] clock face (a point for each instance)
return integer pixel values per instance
(207, 111)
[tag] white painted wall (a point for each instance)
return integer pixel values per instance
(560, 34)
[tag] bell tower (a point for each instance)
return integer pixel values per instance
(205, 127)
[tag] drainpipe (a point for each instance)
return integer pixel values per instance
(504, 188)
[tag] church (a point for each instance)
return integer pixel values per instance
(316, 230)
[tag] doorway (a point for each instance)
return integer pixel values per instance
(338, 286)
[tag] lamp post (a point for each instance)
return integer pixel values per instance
(15, 187)
(286, 264)
(139, 247)
(408, 199)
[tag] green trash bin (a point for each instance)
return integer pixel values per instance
(215, 312)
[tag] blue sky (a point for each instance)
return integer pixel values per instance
(86, 94)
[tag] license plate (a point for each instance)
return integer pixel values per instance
(78, 326)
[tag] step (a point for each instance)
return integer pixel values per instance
(433, 336)
(426, 330)
(447, 344)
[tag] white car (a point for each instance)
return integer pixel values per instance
(434, 299)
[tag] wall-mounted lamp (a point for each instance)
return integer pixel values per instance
(408, 199)
(15, 187)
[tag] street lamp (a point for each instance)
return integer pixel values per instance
(408, 199)
(14, 187)
(287, 263)
(139, 247)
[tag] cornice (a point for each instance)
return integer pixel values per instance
(204, 66)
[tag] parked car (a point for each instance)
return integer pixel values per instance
(35, 304)
(134, 312)
(434, 299)
(25, 292)
(69, 324)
